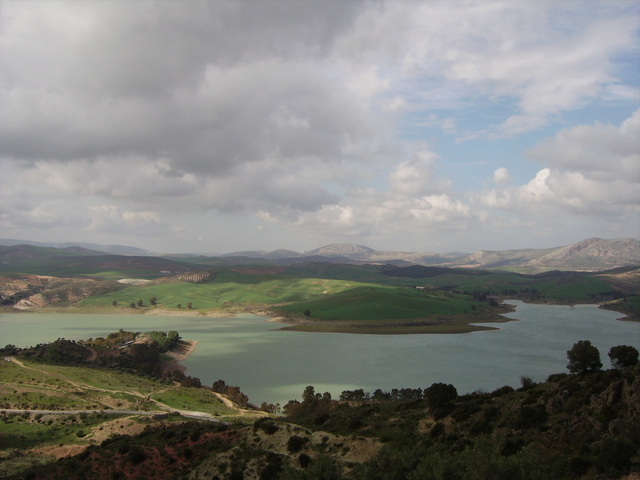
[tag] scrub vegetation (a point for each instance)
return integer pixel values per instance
(583, 425)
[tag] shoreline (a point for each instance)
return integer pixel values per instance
(178, 354)
(182, 351)
(188, 313)
(409, 327)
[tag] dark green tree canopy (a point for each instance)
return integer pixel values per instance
(440, 395)
(583, 357)
(623, 356)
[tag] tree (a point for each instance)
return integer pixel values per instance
(309, 395)
(140, 303)
(583, 357)
(219, 386)
(623, 356)
(114, 303)
(440, 395)
(307, 313)
(132, 305)
(179, 305)
(189, 304)
(191, 382)
(153, 300)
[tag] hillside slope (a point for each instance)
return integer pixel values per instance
(572, 427)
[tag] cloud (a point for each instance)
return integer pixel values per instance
(593, 171)
(598, 152)
(501, 176)
(416, 201)
(545, 58)
(118, 117)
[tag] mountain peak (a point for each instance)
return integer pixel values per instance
(342, 249)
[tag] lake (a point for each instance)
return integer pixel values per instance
(275, 366)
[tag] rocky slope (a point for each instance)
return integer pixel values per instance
(27, 291)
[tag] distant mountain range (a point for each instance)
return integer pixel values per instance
(113, 249)
(594, 254)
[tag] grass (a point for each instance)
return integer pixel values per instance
(24, 431)
(395, 327)
(228, 289)
(382, 303)
(390, 310)
(339, 293)
(197, 399)
(97, 377)
(80, 387)
(41, 399)
(72, 388)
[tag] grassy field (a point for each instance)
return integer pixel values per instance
(196, 399)
(382, 302)
(58, 387)
(26, 430)
(228, 289)
(354, 296)
(61, 263)
(335, 292)
(429, 325)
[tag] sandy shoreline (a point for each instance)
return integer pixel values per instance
(178, 354)
(182, 351)
(188, 313)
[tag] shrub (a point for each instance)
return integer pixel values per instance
(266, 425)
(530, 416)
(136, 455)
(502, 391)
(440, 395)
(526, 383)
(304, 460)
(613, 454)
(295, 443)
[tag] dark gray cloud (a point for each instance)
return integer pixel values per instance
(324, 117)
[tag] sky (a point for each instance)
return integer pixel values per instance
(220, 126)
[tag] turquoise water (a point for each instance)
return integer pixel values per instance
(276, 366)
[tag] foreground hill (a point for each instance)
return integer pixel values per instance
(583, 426)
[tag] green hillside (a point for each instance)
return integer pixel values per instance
(74, 261)
(380, 302)
(571, 427)
(446, 299)
(228, 289)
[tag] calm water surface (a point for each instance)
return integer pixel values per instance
(275, 366)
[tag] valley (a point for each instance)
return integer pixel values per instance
(80, 406)
(322, 296)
